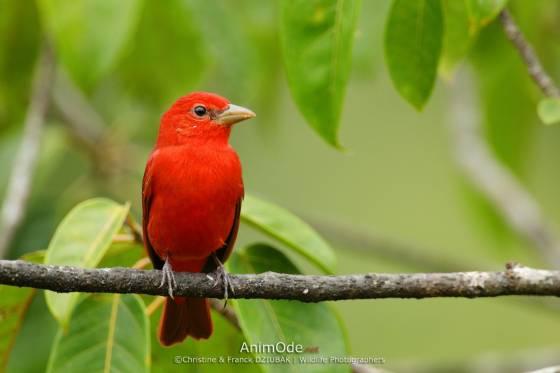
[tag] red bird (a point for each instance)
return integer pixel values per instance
(191, 199)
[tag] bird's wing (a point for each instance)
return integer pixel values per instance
(147, 194)
(224, 252)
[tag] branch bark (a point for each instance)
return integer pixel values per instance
(515, 280)
(534, 66)
(19, 184)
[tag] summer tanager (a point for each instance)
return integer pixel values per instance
(191, 199)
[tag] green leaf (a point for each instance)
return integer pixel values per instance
(34, 256)
(549, 110)
(14, 303)
(457, 38)
(413, 42)
(81, 240)
(108, 333)
(312, 325)
(122, 254)
(316, 40)
(289, 230)
(482, 12)
(89, 35)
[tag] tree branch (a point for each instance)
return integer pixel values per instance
(510, 198)
(515, 280)
(534, 66)
(19, 184)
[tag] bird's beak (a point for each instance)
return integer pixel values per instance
(233, 114)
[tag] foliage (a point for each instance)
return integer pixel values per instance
(81, 240)
(549, 110)
(268, 321)
(129, 59)
(84, 239)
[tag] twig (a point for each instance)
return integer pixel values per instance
(226, 312)
(19, 184)
(85, 122)
(87, 126)
(516, 280)
(495, 181)
(534, 66)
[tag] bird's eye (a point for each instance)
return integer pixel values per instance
(200, 110)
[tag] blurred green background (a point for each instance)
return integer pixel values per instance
(396, 178)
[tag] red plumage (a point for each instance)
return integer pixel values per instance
(191, 193)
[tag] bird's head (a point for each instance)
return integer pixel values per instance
(200, 116)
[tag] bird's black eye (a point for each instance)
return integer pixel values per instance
(200, 110)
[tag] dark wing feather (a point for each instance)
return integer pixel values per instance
(224, 252)
(147, 194)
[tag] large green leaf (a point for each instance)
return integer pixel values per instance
(81, 240)
(413, 42)
(316, 40)
(14, 302)
(288, 229)
(108, 333)
(89, 34)
(457, 37)
(549, 110)
(482, 12)
(315, 326)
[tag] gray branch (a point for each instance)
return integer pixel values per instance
(534, 66)
(493, 179)
(515, 280)
(19, 184)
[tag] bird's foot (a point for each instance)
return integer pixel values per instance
(168, 277)
(222, 276)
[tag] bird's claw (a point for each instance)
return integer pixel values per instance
(222, 276)
(168, 277)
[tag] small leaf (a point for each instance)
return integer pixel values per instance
(413, 41)
(108, 333)
(34, 256)
(482, 12)
(316, 40)
(289, 230)
(81, 240)
(315, 326)
(457, 38)
(14, 303)
(89, 34)
(549, 110)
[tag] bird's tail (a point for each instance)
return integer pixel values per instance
(183, 317)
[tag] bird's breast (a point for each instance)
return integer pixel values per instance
(194, 201)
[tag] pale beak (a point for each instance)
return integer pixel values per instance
(233, 114)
